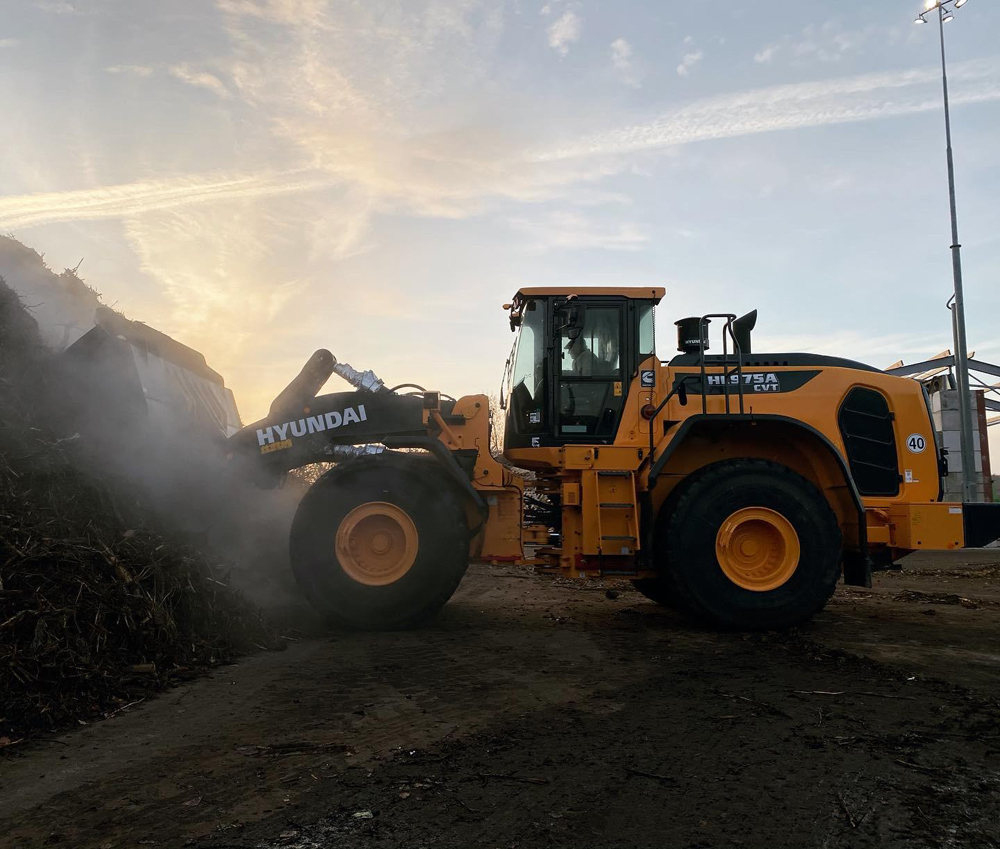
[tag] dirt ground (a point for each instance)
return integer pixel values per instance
(537, 712)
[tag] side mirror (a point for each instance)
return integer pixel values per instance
(570, 317)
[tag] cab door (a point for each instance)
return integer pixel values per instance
(589, 371)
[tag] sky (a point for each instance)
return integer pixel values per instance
(261, 178)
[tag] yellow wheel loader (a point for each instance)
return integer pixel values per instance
(739, 486)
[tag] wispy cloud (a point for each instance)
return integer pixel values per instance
(691, 58)
(766, 55)
(453, 174)
(137, 70)
(148, 196)
(8, 42)
(59, 7)
(836, 101)
(829, 42)
(621, 61)
(200, 79)
(688, 62)
(571, 230)
(564, 32)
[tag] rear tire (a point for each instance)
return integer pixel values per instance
(750, 544)
(380, 543)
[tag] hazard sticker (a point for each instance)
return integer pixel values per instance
(916, 443)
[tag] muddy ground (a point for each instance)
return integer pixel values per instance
(538, 712)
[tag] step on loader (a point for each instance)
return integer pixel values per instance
(739, 486)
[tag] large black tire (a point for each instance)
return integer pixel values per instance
(686, 544)
(661, 589)
(410, 483)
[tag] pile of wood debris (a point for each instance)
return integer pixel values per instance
(100, 603)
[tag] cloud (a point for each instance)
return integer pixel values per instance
(137, 70)
(621, 54)
(621, 60)
(363, 102)
(766, 55)
(57, 7)
(688, 62)
(836, 101)
(571, 230)
(564, 32)
(9, 42)
(458, 172)
(830, 42)
(129, 199)
(200, 79)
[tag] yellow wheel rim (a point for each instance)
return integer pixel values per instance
(757, 549)
(377, 543)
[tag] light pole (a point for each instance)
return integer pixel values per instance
(969, 488)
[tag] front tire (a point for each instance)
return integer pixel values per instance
(380, 543)
(750, 544)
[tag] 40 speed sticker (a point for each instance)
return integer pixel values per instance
(916, 443)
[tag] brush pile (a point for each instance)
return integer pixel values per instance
(98, 605)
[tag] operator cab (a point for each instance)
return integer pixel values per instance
(576, 354)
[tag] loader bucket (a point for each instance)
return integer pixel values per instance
(138, 375)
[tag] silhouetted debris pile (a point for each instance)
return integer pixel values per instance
(97, 606)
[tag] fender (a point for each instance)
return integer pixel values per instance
(856, 573)
(448, 462)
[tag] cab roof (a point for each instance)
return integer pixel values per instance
(652, 293)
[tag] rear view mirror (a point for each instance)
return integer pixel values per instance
(570, 317)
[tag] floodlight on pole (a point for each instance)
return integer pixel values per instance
(969, 488)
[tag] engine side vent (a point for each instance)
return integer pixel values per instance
(866, 426)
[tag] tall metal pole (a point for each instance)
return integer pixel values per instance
(969, 488)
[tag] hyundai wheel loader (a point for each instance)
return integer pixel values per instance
(736, 485)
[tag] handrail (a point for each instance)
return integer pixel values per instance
(727, 330)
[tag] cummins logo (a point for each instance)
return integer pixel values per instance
(310, 424)
(759, 381)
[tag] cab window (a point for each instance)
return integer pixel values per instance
(526, 404)
(647, 337)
